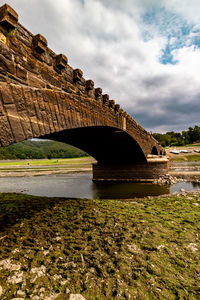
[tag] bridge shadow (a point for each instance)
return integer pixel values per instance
(14, 208)
(127, 190)
(105, 144)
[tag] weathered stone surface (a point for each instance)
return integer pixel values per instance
(89, 85)
(2, 38)
(4, 50)
(38, 113)
(15, 123)
(34, 81)
(98, 93)
(19, 100)
(105, 99)
(111, 103)
(117, 107)
(6, 136)
(21, 73)
(7, 65)
(31, 111)
(17, 95)
(61, 61)
(77, 75)
(6, 94)
(8, 17)
(39, 44)
(46, 76)
(131, 172)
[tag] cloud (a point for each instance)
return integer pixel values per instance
(145, 53)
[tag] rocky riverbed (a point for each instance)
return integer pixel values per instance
(53, 248)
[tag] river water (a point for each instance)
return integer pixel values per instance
(80, 185)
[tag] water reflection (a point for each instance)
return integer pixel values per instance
(187, 186)
(80, 185)
(113, 190)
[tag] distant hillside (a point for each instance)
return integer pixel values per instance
(40, 149)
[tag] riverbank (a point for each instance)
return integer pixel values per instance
(26, 168)
(102, 249)
(39, 167)
(181, 157)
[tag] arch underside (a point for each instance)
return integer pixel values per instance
(108, 145)
(154, 151)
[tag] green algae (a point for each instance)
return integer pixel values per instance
(103, 249)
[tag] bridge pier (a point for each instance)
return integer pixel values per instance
(143, 171)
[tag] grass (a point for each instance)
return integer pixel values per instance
(193, 145)
(46, 162)
(183, 158)
(102, 249)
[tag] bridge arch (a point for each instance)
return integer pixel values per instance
(41, 95)
(106, 144)
(154, 150)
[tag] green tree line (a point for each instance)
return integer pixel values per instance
(40, 149)
(190, 136)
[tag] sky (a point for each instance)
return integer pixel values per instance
(144, 53)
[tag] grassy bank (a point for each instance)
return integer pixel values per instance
(44, 167)
(134, 249)
(194, 156)
(186, 158)
(45, 162)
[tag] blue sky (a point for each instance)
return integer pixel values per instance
(175, 28)
(144, 53)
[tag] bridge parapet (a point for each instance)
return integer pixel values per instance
(41, 93)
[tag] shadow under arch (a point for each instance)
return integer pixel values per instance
(154, 151)
(108, 145)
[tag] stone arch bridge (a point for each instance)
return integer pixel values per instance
(41, 95)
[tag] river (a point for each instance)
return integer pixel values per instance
(80, 185)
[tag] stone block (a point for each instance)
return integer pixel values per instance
(49, 77)
(89, 85)
(98, 92)
(116, 107)
(29, 101)
(111, 103)
(105, 99)
(7, 65)
(25, 121)
(8, 17)
(2, 38)
(6, 94)
(5, 51)
(141, 171)
(77, 75)
(15, 122)
(61, 61)
(6, 137)
(18, 97)
(39, 44)
(21, 72)
(34, 81)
